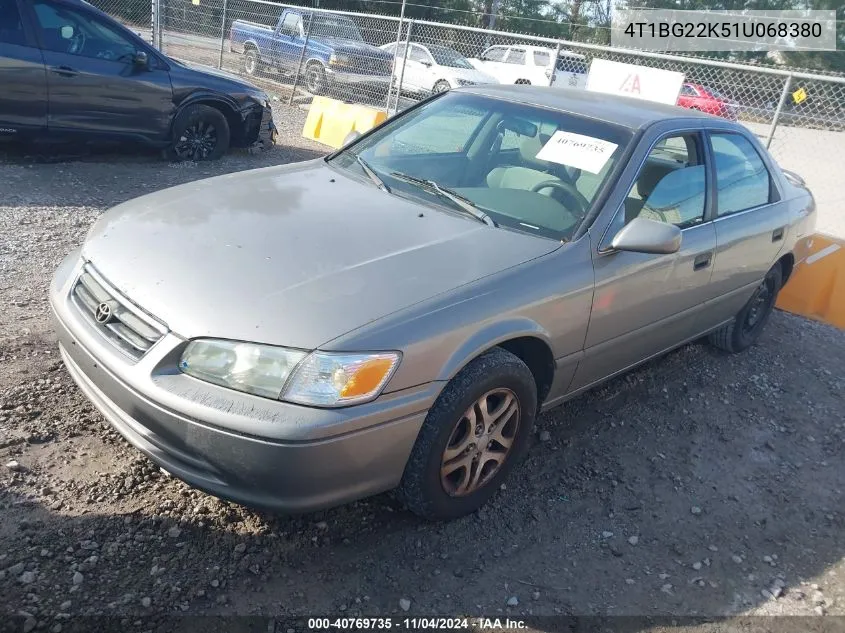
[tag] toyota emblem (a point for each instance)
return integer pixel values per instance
(103, 313)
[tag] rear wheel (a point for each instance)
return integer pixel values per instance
(200, 133)
(748, 324)
(477, 430)
(251, 61)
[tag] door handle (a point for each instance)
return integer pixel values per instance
(777, 234)
(64, 71)
(702, 261)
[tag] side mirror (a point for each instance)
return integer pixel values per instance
(141, 60)
(353, 136)
(641, 235)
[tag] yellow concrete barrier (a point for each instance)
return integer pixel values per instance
(816, 288)
(330, 121)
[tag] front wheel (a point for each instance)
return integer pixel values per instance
(477, 430)
(315, 78)
(200, 133)
(748, 324)
(251, 62)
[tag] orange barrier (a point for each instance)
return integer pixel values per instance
(816, 288)
(330, 121)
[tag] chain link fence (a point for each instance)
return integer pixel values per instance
(390, 62)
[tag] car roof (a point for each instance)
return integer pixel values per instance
(625, 111)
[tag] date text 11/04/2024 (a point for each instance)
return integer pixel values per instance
(415, 624)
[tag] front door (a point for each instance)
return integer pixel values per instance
(644, 304)
(23, 82)
(95, 85)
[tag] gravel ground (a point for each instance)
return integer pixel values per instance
(701, 484)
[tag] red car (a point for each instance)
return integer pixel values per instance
(705, 99)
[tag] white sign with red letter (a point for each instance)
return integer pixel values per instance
(639, 82)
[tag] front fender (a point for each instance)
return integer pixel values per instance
(488, 337)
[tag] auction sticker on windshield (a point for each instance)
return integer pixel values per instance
(576, 150)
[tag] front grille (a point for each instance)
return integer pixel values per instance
(124, 324)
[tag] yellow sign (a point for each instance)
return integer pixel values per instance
(799, 95)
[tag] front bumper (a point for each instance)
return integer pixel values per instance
(267, 134)
(251, 450)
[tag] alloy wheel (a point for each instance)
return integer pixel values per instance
(480, 442)
(197, 141)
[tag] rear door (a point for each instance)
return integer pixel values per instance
(23, 80)
(750, 219)
(95, 86)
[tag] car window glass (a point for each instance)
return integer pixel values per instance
(545, 186)
(742, 180)
(541, 58)
(419, 55)
(495, 54)
(11, 27)
(687, 91)
(516, 56)
(572, 64)
(441, 133)
(67, 30)
(670, 186)
(290, 24)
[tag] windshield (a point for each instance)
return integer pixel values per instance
(449, 57)
(324, 26)
(532, 169)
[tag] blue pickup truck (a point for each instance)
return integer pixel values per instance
(335, 52)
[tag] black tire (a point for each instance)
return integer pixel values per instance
(315, 78)
(523, 82)
(441, 86)
(421, 488)
(748, 324)
(252, 63)
(200, 133)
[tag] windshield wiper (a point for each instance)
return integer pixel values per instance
(466, 205)
(372, 174)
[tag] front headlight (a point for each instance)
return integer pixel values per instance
(339, 59)
(258, 369)
(321, 379)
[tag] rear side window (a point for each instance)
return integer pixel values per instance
(541, 58)
(516, 56)
(11, 27)
(742, 180)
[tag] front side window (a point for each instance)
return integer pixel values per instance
(66, 30)
(419, 55)
(530, 169)
(671, 185)
(742, 180)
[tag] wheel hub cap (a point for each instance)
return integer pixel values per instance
(480, 442)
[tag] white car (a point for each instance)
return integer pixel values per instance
(519, 64)
(434, 68)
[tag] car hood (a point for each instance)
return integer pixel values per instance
(353, 47)
(221, 77)
(470, 74)
(295, 255)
